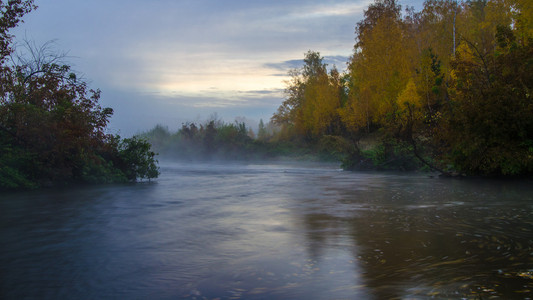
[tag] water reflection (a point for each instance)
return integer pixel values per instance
(434, 238)
(270, 231)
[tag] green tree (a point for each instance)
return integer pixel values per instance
(489, 131)
(52, 129)
(261, 132)
(137, 160)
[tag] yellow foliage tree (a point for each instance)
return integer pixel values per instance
(410, 115)
(437, 30)
(409, 97)
(321, 102)
(358, 112)
(522, 18)
(380, 67)
(313, 99)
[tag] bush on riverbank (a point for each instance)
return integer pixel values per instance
(52, 129)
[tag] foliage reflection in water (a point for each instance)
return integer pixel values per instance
(270, 231)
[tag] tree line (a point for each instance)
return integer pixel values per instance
(215, 139)
(447, 88)
(52, 129)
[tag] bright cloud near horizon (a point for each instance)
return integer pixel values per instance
(173, 61)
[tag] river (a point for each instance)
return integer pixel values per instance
(270, 231)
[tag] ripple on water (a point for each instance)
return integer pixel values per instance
(257, 231)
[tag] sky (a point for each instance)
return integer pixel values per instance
(173, 61)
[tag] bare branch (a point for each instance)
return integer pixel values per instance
(32, 59)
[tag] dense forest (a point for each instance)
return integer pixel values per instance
(52, 129)
(445, 89)
(449, 87)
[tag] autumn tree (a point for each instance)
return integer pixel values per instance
(11, 14)
(380, 67)
(438, 83)
(522, 10)
(313, 97)
(489, 131)
(52, 129)
(437, 29)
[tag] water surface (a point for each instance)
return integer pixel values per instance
(270, 231)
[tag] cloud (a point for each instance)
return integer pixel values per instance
(331, 10)
(186, 46)
(173, 56)
(337, 60)
(286, 65)
(215, 98)
(262, 93)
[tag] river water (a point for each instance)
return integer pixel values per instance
(270, 231)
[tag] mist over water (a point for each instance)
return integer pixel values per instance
(270, 231)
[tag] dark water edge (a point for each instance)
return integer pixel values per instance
(270, 231)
